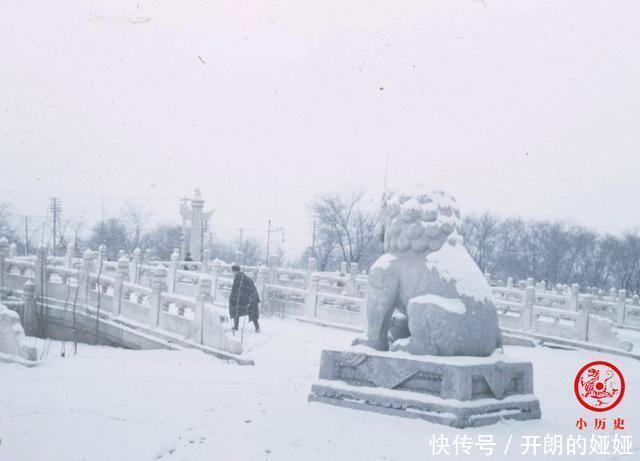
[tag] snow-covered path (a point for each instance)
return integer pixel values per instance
(108, 404)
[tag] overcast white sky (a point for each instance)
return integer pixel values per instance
(522, 107)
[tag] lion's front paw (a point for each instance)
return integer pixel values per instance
(372, 344)
(401, 344)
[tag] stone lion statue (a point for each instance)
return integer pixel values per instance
(426, 294)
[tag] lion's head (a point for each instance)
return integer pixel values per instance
(418, 221)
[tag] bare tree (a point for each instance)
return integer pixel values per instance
(481, 234)
(162, 239)
(557, 252)
(622, 256)
(135, 220)
(247, 252)
(111, 233)
(345, 229)
(7, 229)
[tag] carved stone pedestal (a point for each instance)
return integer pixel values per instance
(455, 391)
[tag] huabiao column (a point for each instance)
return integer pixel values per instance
(197, 226)
(198, 219)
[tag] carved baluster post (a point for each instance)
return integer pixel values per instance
(40, 271)
(172, 281)
(261, 281)
(574, 304)
(136, 265)
(216, 269)
(122, 275)
(273, 274)
(206, 261)
(85, 271)
(312, 266)
(4, 245)
(29, 317)
(582, 323)
(204, 296)
(353, 282)
(311, 298)
(13, 250)
(587, 303)
(621, 307)
(101, 257)
(71, 252)
(526, 314)
(510, 282)
(158, 285)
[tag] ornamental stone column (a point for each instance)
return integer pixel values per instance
(197, 225)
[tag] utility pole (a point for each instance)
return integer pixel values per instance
(26, 235)
(239, 251)
(268, 239)
(183, 211)
(75, 235)
(202, 230)
(269, 232)
(56, 209)
(102, 217)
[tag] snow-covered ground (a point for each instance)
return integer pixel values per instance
(115, 404)
(633, 336)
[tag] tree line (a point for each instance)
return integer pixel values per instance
(131, 228)
(553, 251)
(344, 230)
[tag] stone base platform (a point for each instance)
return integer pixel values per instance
(455, 391)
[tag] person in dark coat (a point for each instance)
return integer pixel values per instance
(187, 259)
(244, 298)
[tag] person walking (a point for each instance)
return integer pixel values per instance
(188, 259)
(244, 299)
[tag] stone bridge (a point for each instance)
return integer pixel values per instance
(175, 304)
(125, 304)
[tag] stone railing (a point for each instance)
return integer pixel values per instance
(622, 310)
(115, 290)
(520, 310)
(339, 298)
(332, 297)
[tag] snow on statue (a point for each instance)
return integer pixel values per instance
(427, 297)
(426, 294)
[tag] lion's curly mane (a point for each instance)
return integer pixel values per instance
(418, 222)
